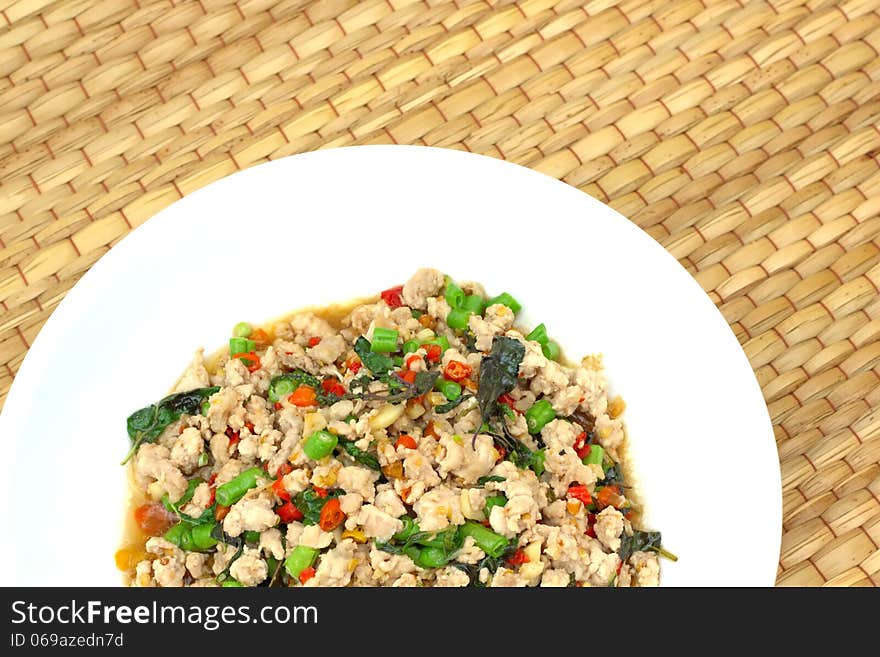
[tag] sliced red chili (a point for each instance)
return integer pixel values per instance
(331, 515)
(333, 387)
(393, 296)
(279, 489)
(250, 359)
(580, 493)
(581, 448)
(457, 371)
(517, 558)
(508, 401)
(433, 352)
(306, 574)
(289, 513)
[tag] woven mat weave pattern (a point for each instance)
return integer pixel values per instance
(742, 135)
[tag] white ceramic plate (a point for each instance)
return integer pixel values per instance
(337, 224)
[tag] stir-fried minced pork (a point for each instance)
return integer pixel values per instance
(421, 440)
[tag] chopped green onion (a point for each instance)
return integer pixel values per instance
(474, 303)
(206, 406)
(232, 491)
(416, 313)
(505, 300)
(232, 584)
(201, 536)
(488, 541)
(494, 500)
(242, 330)
(596, 455)
(320, 444)
(538, 334)
(431, 557)
(450, 389)
(397, 360)
(410, 527)
(384, 340)
(241, 346)
(457, 319)
(191, 486)
(410, 346)
(203, 459)
(538, 462)
(550, 350)
(539, 415)
(280, 388)
(454, 295)
(181, 536)
(301, 558)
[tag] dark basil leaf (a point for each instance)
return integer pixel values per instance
(174, 507)
(222, 537)
(376, 363)
(398, 389)
(145, 425)
(613, 477)
(359, 455)
(448, 406)
(425, 381)
(639, 542)
(498, 374)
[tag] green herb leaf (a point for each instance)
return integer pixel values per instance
(377, 363)
(222, 537)
(359, 455)
(498, 374)
(310, 504)
(482, 481)
(613, 477)
(490, 563)
(442, 544)
(639, 542)
(448, 406)
(398, 389)
(147, 424)
(174, 507)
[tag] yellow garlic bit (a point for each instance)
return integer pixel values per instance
(357, 535)
(313, 422)
(616, 407)
(386, 416)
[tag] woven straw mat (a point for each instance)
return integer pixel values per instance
(741, 135)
